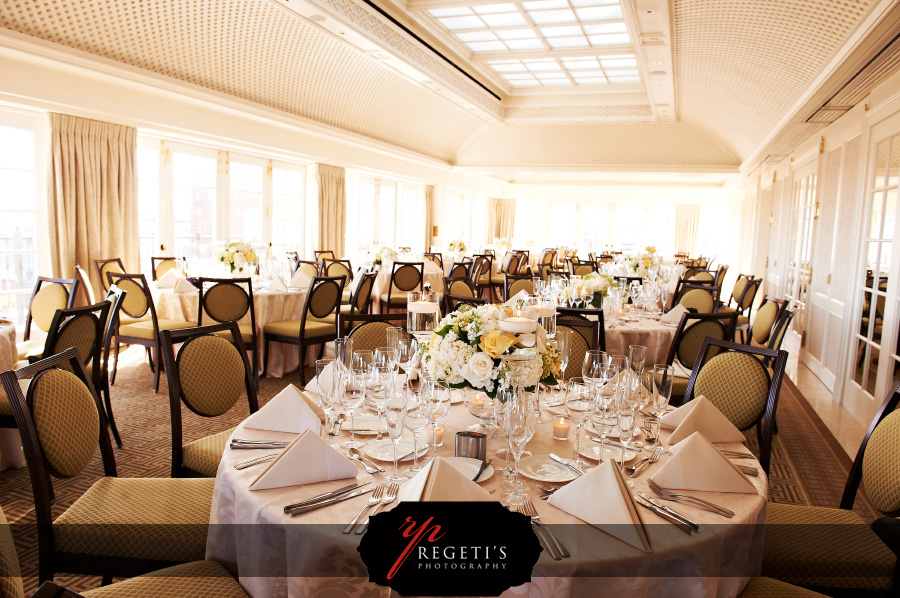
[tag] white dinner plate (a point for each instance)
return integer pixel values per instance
(469, 467)
(544, 469)
(613, 435)
(591, 450)
(383, 450)
(364, 424)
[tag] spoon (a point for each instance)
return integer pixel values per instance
(370, 467)
(338, 422)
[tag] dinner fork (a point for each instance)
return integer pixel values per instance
(373, 500)
(528, 509)
(389, 496)
(653, 458)
(665, 494)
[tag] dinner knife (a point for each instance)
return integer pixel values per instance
(325, 496)
(250, 447)
(694, 525)
(325, 503)
(673, 520)
(481, 469)
(614, 444)
(244, 441)
(562, 461)
(747, 470)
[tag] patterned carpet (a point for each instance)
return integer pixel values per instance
(808, 464)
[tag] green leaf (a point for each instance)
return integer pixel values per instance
(443, 331)
(549, 381)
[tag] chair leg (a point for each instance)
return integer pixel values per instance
(255, 354)
(302, 364)
(158, 369)
(150, 359)
(112, 420)
(106, 580)
(321, 351)
(265, 356)
(116, 362)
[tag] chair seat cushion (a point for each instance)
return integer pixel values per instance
(200, 579)
(816, 546)
(498, 279)
(145, 329)
(766, 587)
(149, 518)
(246, 333)
(30, 348)
(726, 310)
(126, 319)
(397, 298)
(203, 455)
(314, 328)
(742, 320)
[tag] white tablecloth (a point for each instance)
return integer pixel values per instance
(255, 537)
(268, 306)
(649, 333)
(11, 454)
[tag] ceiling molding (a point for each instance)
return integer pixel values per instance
(575, 113)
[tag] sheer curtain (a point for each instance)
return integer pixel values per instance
(94, 211)
(501, 219)
(687, 220)
(332, 207)
(429, 217)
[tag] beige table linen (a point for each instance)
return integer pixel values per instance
(269, 307)
(649, 333)
(11, 454)
(716, 562)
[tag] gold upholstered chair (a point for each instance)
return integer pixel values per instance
(685, 348)
(405, 277)
(119, 527)
(343, 268)
(228, 300)
(316, 326)
(49, 295)
(84, 283)
(105, 268)
(135, 327)
(460, 269)
(743, 294)
(509, 265)
(311, 269)
(360, 294)
(586, 335)
(833, 550)
(435, 259)
(209, 374)
(369, 331)
(767, 317)
(160, 265)
(324, 254)
(513, 284)
(734, 378)
(701, 299)
(460, 290)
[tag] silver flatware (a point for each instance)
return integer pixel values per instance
(330, 501)
(528, 509)
(325, 496)
(356, 454)
(548, 546)
(252, 462)
(373, 500)
(747, 470)
(389, 496)
(695, 526)
(653, 458)
(673, 520)
(666, 494)
(562, 461)
(336, 426)
(484, 465)
(416, 452)
(737, 454)
(614, 444)
(243, 441)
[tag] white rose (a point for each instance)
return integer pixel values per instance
(477, 370)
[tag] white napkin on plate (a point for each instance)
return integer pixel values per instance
(168, 280)
(521, 295)
(183, 286)
(288, 411)
(277, 285)
(307, 460)
(601, 498)
(300, 280)
(440, 481)
(698, 465)
(674, 315)
(700, 415)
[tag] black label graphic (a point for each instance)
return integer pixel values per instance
(449, 549)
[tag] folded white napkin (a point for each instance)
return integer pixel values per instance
(168, 280)
(300, 280)
(307, 460)
(183, 286)
(288, 411)
(698, 465)
(700, 415)
(277, 285)
(431, 266)
(515, 298)
(674, 315)
(440, 481)
(601, 498)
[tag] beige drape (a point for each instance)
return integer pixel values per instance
(687, 224)
(93, 209)
(501, 219)
(429, 217)
(332, 207)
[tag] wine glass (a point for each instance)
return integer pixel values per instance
(636, 356)
(343, 354)
(380, 387)
(393, 334)
(604, 420)
(593, 360)
(352, 395)
(564, 346)
(438, 408)
(626, 418)
(396, 412)
(481, 406)
(388, 357)
(325, 385)
(520, 427)
(579, 406)
(664, 296)
(407, 354)
(363, 360)
(416, 420)
(662, 377)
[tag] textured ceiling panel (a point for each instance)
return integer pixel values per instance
(741, 64)
(256, 51)
(595, 144)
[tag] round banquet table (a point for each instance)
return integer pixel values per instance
(274, 555)
(11, 454)
(269, 306)
(433, 276)
(657, 337)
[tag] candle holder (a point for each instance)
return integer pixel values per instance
(422, 313)
(522, 320)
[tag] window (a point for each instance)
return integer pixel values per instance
(245, 207)
(389, 213)
(194, 205)
(411, 217)
(464, 218)
(288, 195)
(148, 204)
(21, 134)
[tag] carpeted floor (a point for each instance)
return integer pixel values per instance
(808, 465)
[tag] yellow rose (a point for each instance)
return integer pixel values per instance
(495, 344)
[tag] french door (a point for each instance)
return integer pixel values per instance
(801, 230)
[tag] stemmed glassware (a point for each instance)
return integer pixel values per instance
(664, 295)
(579, 406)
(416, 420)
(407, 354)
(605, 411)
(564, 346)
(352, 395)
(363, 360)
(520, 427)
(590, 368)
(662, 377)
(396, 413)
(388, 356)
(343, 354)
(326, 382)
(626, 418)
(438, 408)
(393, 334)
(380, 387)
(636, 357)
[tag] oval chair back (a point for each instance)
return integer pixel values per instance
(691, 332)
(513, 285)
(405, 277)
(339, 268)
(459, 270)
(160, 265)
(107, 267)
(369, 331)
(698, 299)
(84, 281)
(586, 335)
(228, 300)
(48, 296)
(361, 298)
(436, 259)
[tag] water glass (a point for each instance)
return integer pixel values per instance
(380, 388)
(604, 419)
(636, 356)
(393, 335)
(326, 383)
(416, 421)
(343, 353)
(564, 346)
(438, 408)
(579, 407)
(626, 418)
(389, 357)
(662, 378)
(396, 413)
(363, 361)
(593, 361)
(352, 395)
(520, 427)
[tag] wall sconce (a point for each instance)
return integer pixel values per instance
(816, 214)
(771, 218)
(434, 231)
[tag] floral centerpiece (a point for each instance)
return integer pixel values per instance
(385, 255)
(466, 348)
(456, 245)
(593, 285)
(640, 264)
(238, 256)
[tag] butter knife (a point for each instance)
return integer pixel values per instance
(252, 462)
(325, 496)
(747, 470)
(481, 469)
(325, 503)
(562, 461)
(694, 525)
(673, 520)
